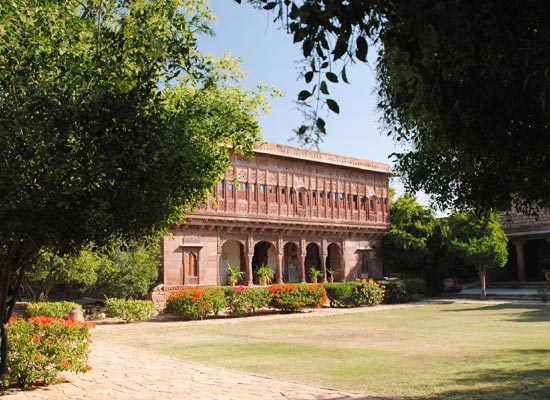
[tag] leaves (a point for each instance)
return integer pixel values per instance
(303, 95)
(362, 48)
(333, 106)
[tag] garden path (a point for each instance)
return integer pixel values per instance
(123, 374)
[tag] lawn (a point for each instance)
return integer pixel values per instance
(444, 351)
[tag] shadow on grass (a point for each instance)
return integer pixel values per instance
(531, 384)
(522, 312)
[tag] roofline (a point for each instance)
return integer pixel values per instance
(321, 157)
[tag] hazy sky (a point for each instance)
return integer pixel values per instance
(269, 56)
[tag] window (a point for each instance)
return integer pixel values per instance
(242, 194)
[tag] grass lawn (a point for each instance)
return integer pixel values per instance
(443, 351)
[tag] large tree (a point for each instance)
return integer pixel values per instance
(464, 83)
(111, 124)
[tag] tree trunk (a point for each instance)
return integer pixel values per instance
(18, 252)
(483, 277)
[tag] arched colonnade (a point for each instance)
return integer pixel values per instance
(290, 260)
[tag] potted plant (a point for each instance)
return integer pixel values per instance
(234, 275)
(265, 275)
(314, 274)
(330, 274)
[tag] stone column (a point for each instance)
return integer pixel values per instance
(322, 255)
(520, 258)
(303, 267)
(249, 256)
(279, 268)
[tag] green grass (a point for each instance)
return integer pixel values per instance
(458, 351)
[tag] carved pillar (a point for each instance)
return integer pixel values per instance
(249, 255)
(520, 257)
(322, 255)
(279, 261)
(303, 254)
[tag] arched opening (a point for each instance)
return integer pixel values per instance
(232, 255)
(334, 262)
(313, 262)
(291, 263)
(264, 255)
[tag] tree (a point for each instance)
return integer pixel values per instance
(127, 272)
(464, 83)
(480, 241)
(51, 269)
(405, 245)
(416, 243)
(111, 125)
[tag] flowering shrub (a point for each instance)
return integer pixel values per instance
(130, 310)
(245, 301)
(50, 309)
(315, 295)
(287, 298)
(43, 347)
(366, 293)
(195, 302)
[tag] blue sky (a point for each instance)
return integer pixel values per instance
(269, 56)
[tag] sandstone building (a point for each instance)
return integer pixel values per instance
(289, 209)
(528, 249)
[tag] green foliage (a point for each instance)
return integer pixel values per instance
(405, 245)
(234, 275)
(130, 310)
(56, 309)
(112, 124)
(354, 294)
(42, 347)
(402, 291)
(463, 83)
(195, 302)
(339, 294)
(366, 293)
(478, 239)
(126, 273)
(51, 269)
(265, 275)
(243, 300)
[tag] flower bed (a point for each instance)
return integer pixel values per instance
(40, 348)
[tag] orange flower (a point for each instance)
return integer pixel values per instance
(48, 341)
(38, 358)
(88, 367)
(65, 364)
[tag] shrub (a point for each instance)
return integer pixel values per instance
(50, 309)
(196, 302)
(245, 301)
(366, 293)
(315, 295)
(43, 347)
(215, 298)
(402, 291)
(130, 310)
(287, 297)
(339, 294)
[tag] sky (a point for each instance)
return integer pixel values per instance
(270, 57)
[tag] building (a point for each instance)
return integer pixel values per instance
(290, 209)
(528, 248)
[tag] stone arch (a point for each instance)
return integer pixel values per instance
(334, 261)
(232, 254)
(291, 263)
(313, 259)
(264, 254)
